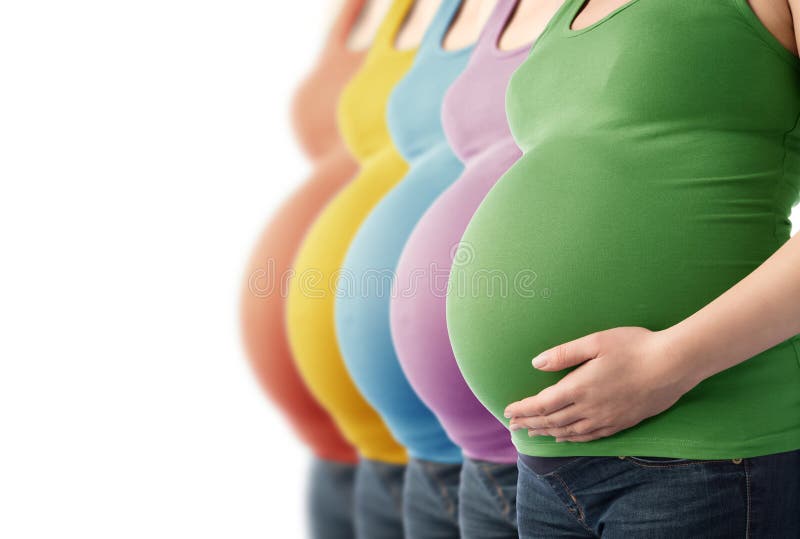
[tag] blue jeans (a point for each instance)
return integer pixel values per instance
(488, 500)
(331, 499)
(662, 498)
(379, 500)
(430, 500)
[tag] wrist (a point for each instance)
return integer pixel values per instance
(681, 361)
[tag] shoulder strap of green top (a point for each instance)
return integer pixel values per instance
(563, 16)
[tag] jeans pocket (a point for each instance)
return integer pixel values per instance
(668, 462)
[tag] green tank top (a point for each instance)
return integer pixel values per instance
(661, 162)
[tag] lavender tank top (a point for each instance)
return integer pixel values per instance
(474, 120)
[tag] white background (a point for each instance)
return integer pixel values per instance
(143, 144)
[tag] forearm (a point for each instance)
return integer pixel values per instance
(759, 312)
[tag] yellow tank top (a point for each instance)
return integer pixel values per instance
(310, 303)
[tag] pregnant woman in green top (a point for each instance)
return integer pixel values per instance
(647, 227)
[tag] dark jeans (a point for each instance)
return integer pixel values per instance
(331, 499)
(430, 500)
(662, 498)
(488, 500)
(379, 500)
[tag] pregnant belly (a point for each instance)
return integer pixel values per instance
(558, 252)
(263, 308)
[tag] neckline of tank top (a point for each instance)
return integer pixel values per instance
(572, 8)
(386, 36)
(493, 40)
(445, 27)
(343, 26)
(437, 38)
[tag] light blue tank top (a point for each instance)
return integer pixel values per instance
(366, 282)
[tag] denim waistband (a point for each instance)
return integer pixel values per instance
(543, 465)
